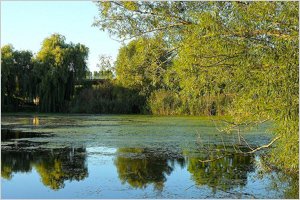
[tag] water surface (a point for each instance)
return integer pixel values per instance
(94, 156)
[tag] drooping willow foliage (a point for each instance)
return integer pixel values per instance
(50, 76)
(242, 53)
(60, 65)
(16, 74)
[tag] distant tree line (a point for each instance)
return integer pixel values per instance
(142, 80)
(48, 78)
(56, 80)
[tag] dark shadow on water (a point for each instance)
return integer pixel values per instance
(8, 134)
(20, 141)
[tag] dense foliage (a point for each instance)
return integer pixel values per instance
(49, 77)
(142, 64)
(16, 76)
(107, 98)
(59, 66)
(243, 54)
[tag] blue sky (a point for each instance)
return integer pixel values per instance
(26, 24)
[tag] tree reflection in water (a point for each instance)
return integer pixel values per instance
(55, 166)
(140, 167)
(279, 181)
(222, 174)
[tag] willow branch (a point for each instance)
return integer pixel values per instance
(153, 13)
(156, 29)
(241, 152)
(263, 146)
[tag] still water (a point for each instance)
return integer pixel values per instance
(94, 156)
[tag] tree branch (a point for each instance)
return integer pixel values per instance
(155, 29)
(154, 14)
(263, 146)
(241, 152)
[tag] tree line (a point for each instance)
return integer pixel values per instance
(47, 78)
(194, 58)
(56, 79)
(146, 81)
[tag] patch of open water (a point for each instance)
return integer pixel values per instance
(129, 157)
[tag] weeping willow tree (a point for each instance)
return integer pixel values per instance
(16, 75)
(7, 73)
(58, 66)
(245, 50)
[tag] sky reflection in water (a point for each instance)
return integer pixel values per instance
(131, 172)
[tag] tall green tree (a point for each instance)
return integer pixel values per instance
(59, 66)
(24, 65)
(16, 76)
(246, 50)
(7, 72)
(142, 63)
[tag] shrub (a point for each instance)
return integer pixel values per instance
(164, 102)
(108, 98)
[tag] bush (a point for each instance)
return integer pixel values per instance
(108, 98)
(164, 102)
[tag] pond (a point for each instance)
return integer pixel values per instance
(130, 156)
